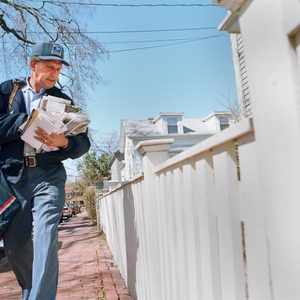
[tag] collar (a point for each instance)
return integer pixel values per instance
(27, 87)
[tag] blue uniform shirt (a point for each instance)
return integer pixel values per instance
(32, 100)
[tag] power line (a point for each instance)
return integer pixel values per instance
(132, 31)
(158, 30)
(150, 41)
(166, 45)
(181, 40)
(128, 5)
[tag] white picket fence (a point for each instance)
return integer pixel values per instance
(192, 226)
(221, 220)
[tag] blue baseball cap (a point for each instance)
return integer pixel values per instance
(49, 51)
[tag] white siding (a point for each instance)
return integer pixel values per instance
(241, 75)
(133, 161)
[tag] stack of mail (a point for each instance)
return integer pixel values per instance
(56, 115)
(75, 122)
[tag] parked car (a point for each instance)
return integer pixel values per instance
(75, 209)
(67, 212)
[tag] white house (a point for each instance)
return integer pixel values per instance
(185, 132)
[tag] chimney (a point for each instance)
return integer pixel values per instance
(150, 119)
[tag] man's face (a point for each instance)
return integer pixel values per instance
(45, 73)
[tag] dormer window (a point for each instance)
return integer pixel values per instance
(224, 123)
(172, 125)
(169, 123)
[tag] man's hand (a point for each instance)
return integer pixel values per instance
(53, 139)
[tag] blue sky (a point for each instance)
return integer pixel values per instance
(188, 77)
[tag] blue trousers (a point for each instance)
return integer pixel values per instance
(31, 243)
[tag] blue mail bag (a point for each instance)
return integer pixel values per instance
(9, 205)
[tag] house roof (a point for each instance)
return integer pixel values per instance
(232, 5)
(235, 8)
(139, 128)
(197, 126)
(217, 113)
(167, 114)
(117, 155)
(136, 128)
(147, 129)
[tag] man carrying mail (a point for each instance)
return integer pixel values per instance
(38, 178)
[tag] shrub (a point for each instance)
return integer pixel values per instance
(89, 198)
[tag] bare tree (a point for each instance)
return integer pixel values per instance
(24, 23)
(234, 107)
(104, 142)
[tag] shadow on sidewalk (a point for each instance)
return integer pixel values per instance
(86, 267)
(67, 226)
(65, 245)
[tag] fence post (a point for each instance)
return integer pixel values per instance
(274, 85)
(154, 152)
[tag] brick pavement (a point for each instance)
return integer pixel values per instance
(86, 268)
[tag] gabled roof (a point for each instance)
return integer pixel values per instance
(117, 155)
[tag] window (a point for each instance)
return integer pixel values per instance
(172, 125)
(224, 123)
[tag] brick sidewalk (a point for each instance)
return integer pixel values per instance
(86, 266)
